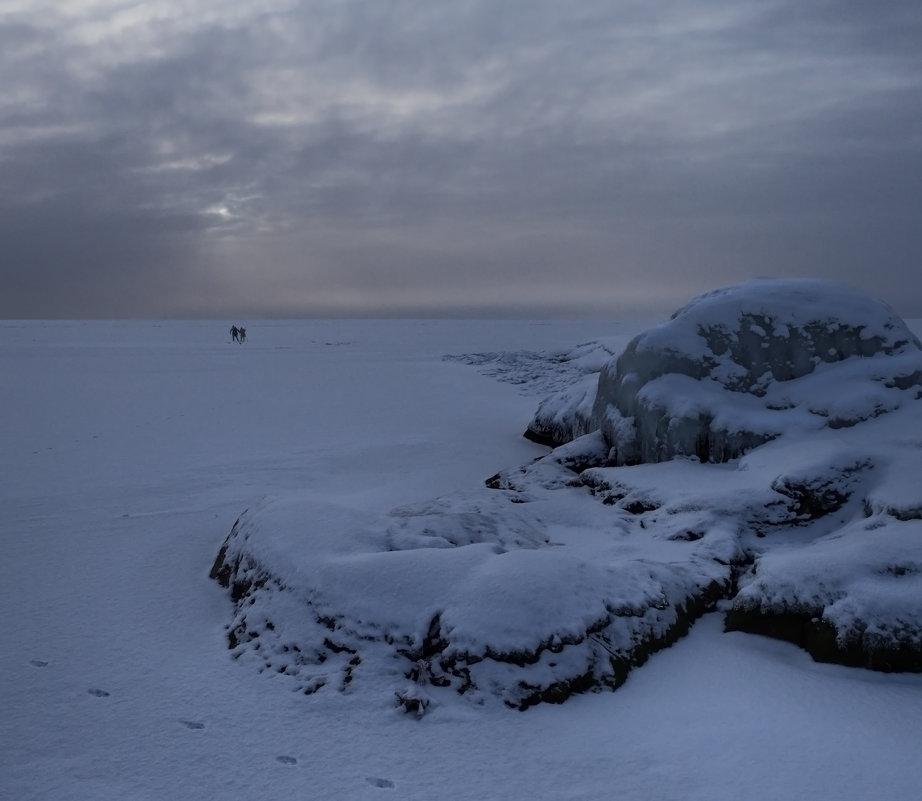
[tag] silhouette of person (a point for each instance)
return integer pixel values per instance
(234, 333)
(242, 333)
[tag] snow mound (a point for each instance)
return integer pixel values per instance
(738, 366)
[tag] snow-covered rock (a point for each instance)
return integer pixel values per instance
(484, 595)
(758, 448)
(850, 591)
(852, 597)
(737, 367)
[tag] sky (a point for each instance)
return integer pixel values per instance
(514, 158)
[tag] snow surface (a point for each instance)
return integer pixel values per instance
(130, 449)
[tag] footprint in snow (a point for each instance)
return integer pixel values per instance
(374, 781)
(192, 724)
(286, 760)
(38, 663)
(98, 693)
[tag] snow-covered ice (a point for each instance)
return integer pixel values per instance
(129, 450)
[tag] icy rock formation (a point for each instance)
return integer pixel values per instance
(736, 367)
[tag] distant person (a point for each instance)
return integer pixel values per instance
(242, 333)
(234, 332)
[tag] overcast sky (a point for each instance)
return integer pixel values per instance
(253, 158)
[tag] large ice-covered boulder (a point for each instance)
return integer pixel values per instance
(737, 366)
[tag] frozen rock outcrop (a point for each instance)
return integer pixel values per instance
(736, 367)
(759, 449)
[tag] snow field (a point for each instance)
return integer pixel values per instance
(129, 449)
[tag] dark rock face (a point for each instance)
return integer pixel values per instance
(807, 629)
(814, 496)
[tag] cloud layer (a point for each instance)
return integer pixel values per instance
(517, 158)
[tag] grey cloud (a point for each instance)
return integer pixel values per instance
(351, 147)
(58, 259)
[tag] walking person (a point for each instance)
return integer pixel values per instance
(234, 332)
(242, 333)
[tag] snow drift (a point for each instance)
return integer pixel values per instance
(752, 449)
